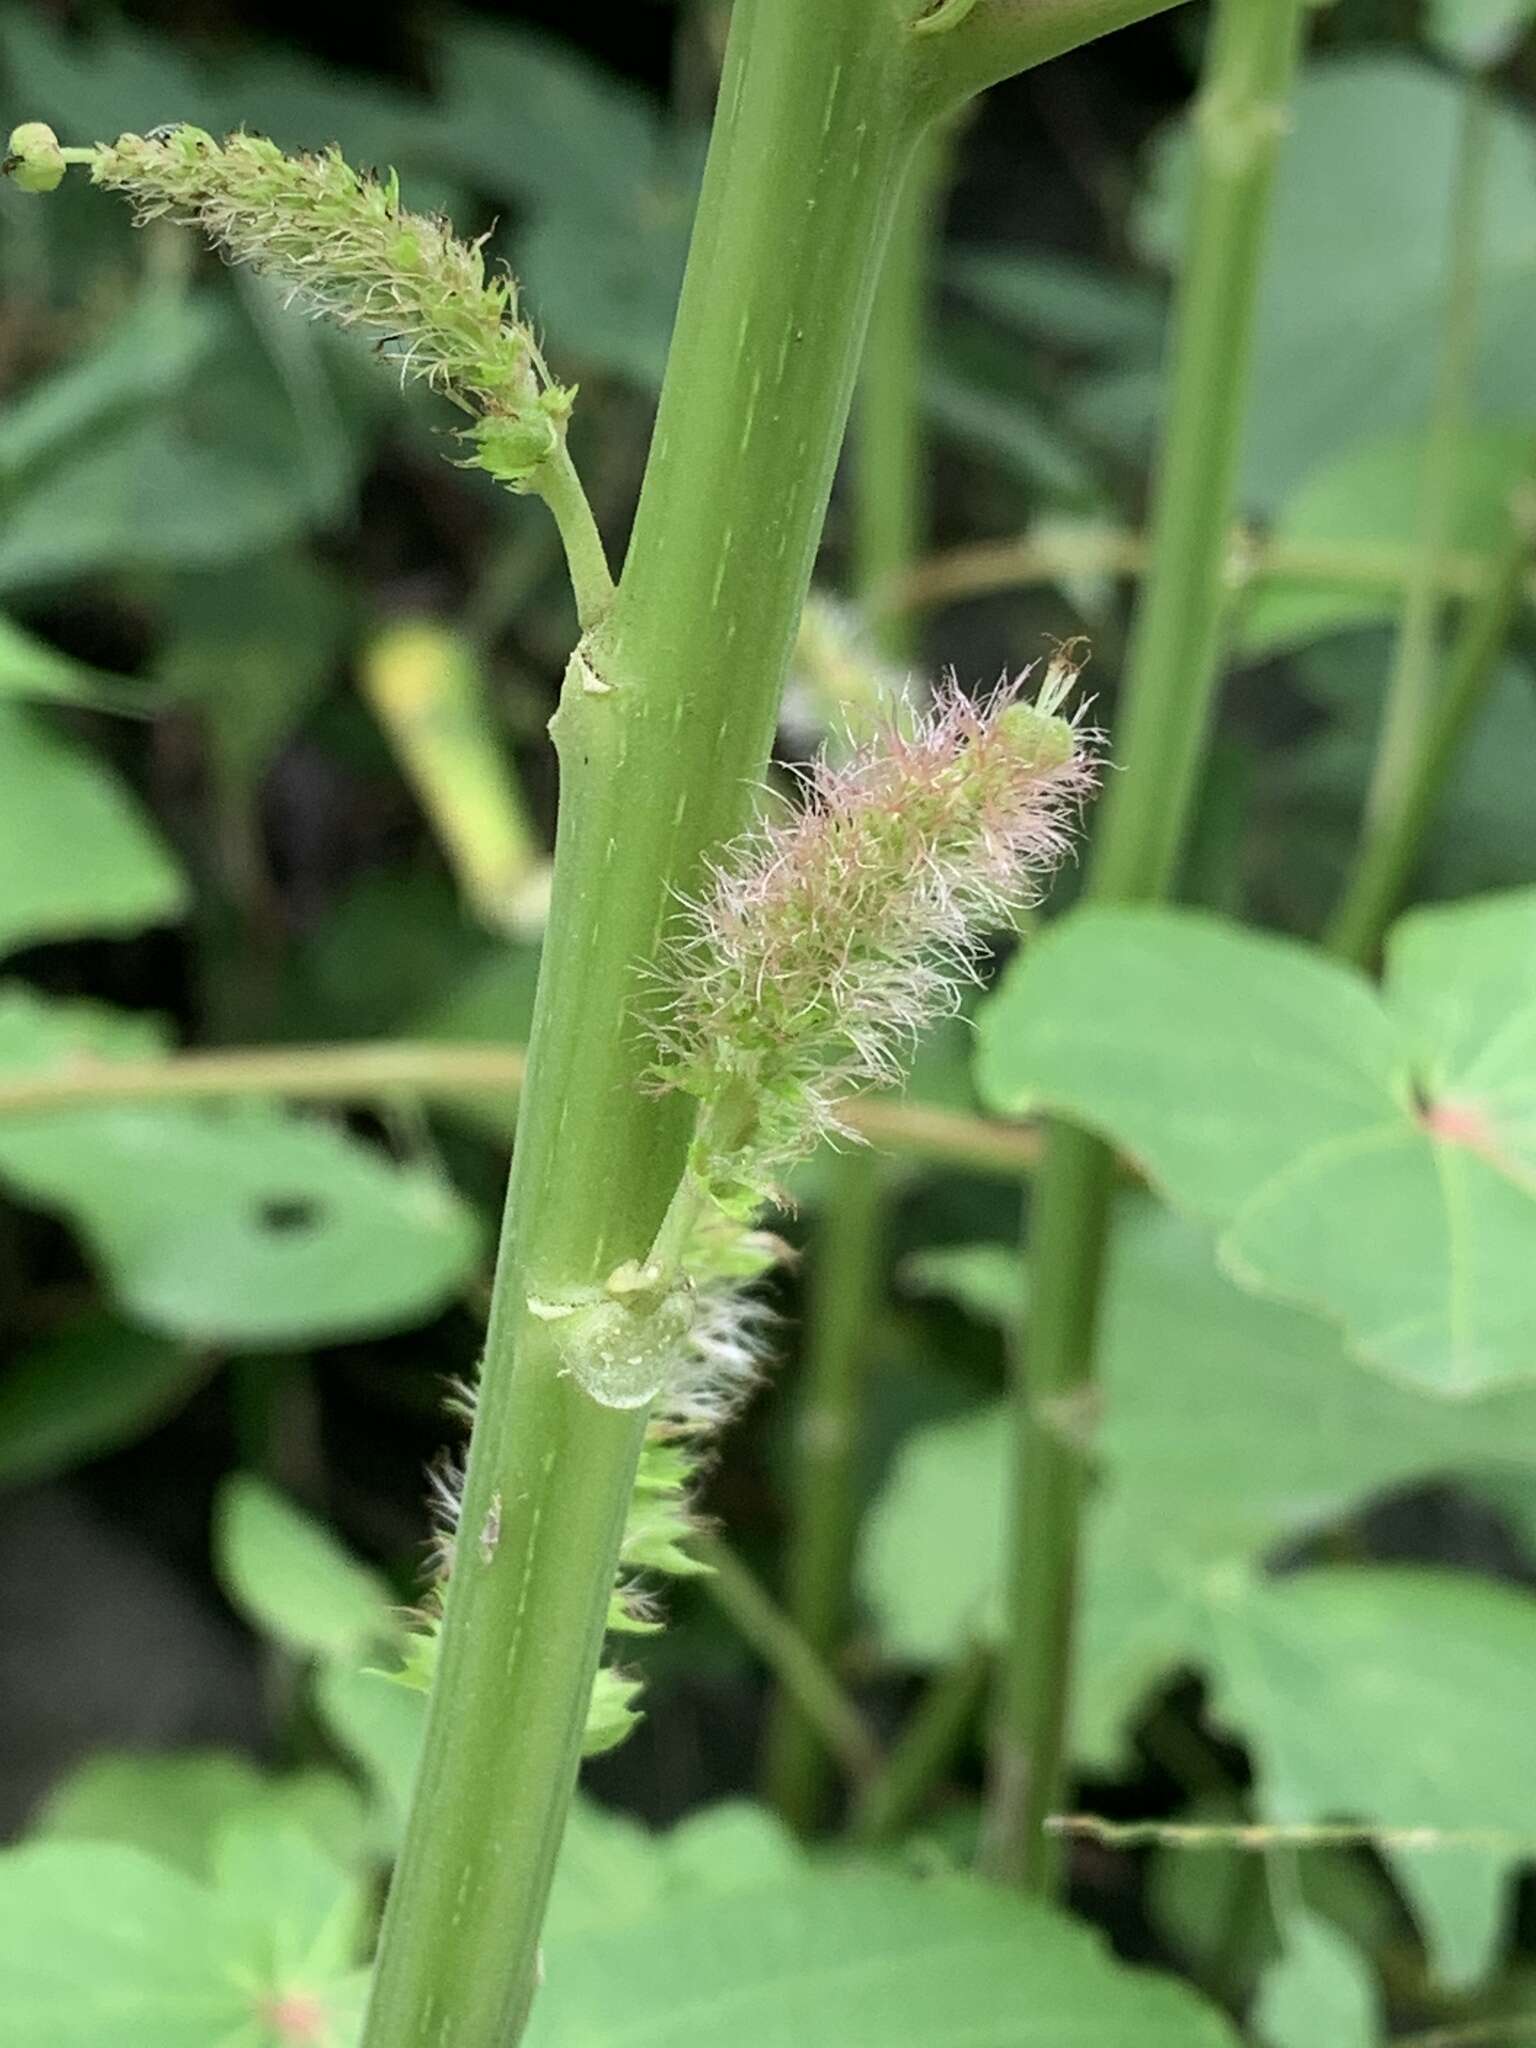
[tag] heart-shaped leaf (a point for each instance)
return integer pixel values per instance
(1372, 1157)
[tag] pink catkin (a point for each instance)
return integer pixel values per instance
(831, 936)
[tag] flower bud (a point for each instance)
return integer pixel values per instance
(34, 161)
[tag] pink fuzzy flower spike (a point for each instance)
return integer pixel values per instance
(832, 936)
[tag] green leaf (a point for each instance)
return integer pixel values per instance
(149, 354)
(1319, 1990)
(980, 401)
(1478, 33)
(1194, 1374)
(226, 466)
(1370, 1157)
(1352, 294)
(730, 1847)
(175, 1807)
(1063, 300)
(1313, 793)
(611, 189)
(291, 1579)
(296, 1917)
(863, 1960)
(241, 1227)
(987, 1280)
(613, 1871)
(379, 1724)
(1400, 1698)
(103, 1947)
(492, 1000)
(76, 855)
(86, 1390)
(932, 1552)
(524, 117)
(31, 668)
(1365, 501)
(1216, 1905)
(253, 645)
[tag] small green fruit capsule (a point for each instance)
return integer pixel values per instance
(33, 159)
(1039, 737)
(511, 448)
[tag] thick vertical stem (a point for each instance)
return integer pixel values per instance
(663, 728)
(1170, 683)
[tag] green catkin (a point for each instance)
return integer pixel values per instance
(348, 250)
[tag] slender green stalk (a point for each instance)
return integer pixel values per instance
(925, 1751)
(664, 725)
(1410, 689)
(1384, 866)
(387, 1070)
(1421, 729)
(802, 1674)
(1164, 716)
(980, 567)
(823, 1501)
(560, 488)
(845, 1293)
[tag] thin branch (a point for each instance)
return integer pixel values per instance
(385, 1068)
(981, 567)
(795, 1664)
(962, 50)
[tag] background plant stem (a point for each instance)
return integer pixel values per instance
(391, 1070)
(657, 761)
(925, 1750)
(1420, 729)
(1252, 561)
(846, 1273)
(844, 1303)
(802, 1674)
(1410, 688)
(1164, 714)
(1388, 851)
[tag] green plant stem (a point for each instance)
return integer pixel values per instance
(591, 583)
(1389, 849)
(795, 1664)
(664, 725)
(1165, 711)
(823, 1502)
(1410, 688)
(925, 1751)
(1250, 561)
(384, 1070)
